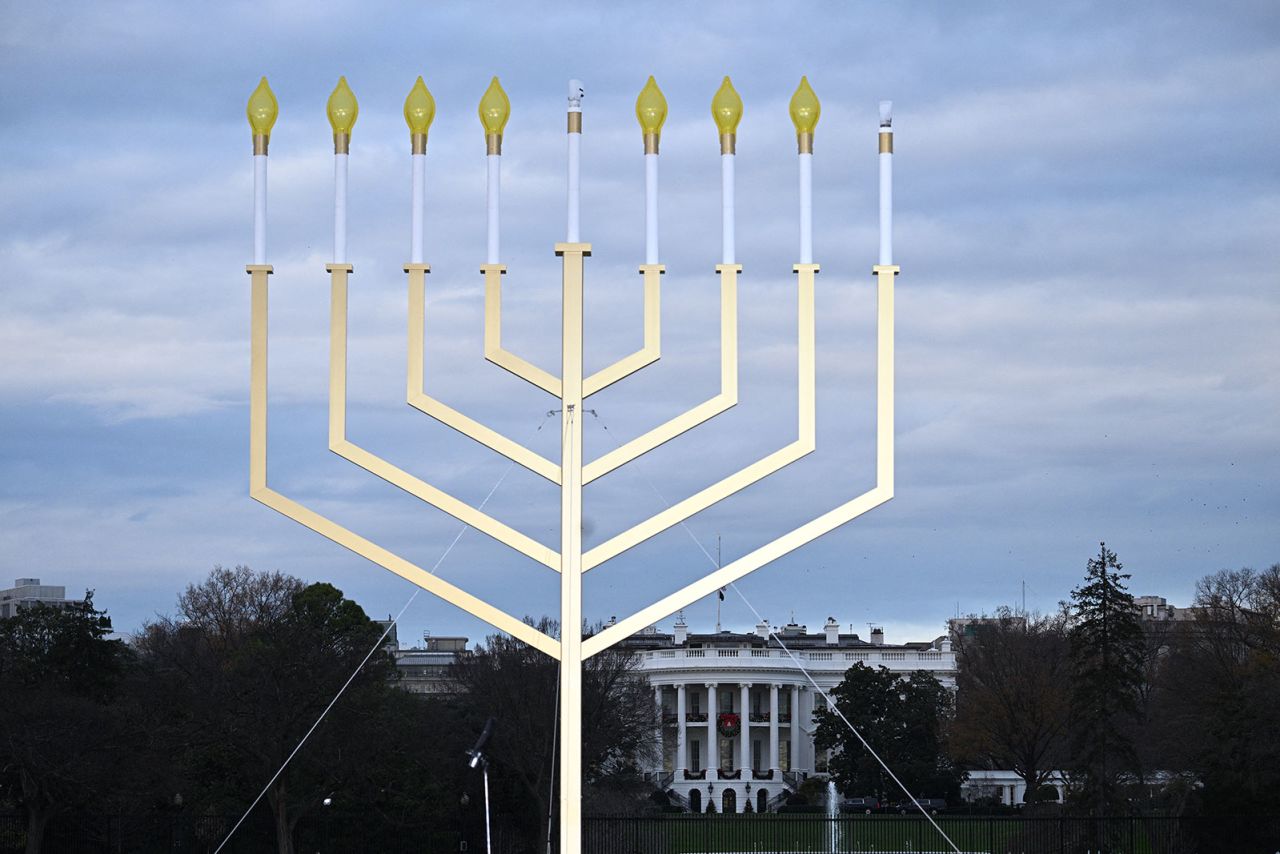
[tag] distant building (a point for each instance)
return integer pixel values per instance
(426, 669)
(27, 592)
(1156, 609)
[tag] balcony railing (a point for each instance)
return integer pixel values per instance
(766, 774)
(759, 717)
(927, 659)
(727, 774)
(695, 775)
(696, 717)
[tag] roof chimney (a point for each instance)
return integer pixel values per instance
(762, 628)
(682, 631)
(877, 636)
(832, 628)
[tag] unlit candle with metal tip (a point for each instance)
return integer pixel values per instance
(575, 153)
(886, 183)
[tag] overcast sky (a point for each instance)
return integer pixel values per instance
(1087, 199)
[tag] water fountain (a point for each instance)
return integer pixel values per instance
(833, 814)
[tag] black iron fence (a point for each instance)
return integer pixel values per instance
(685, 834)
(784, 834)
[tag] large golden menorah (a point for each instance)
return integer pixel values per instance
(572, 387)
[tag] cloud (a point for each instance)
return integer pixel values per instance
(1085, 199)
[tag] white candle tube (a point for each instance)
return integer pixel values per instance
(495, 172)
(259, 208)
(575, 151)
(728, 250)
(340, 208)
(575, 145)
(417, 194)
(651, 209)
(886, 183)
(806, 208)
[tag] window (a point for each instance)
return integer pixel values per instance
(756, 750)
(696, 761)
(726, 753)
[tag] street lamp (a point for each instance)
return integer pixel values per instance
(478, 759)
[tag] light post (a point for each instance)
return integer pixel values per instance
(571, 388)
(478, 759)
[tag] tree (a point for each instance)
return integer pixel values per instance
(1219, 692)
(904, 719)
(1107, 647)
(245, 669)
(60, 734)
(514, 683)
(1012, 696)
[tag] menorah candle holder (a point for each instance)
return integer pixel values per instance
(572, 388)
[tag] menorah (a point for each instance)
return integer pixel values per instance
(572, 387)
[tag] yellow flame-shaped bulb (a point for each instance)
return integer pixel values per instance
(419, 108)
(343, 108)
(262, 109)
(726, 107)
(651, 108)
(495, 109)
(805, 108)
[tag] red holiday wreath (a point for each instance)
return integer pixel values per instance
(729, 724)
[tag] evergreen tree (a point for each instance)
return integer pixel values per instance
(1107, 672)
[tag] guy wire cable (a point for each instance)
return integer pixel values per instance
(369, 654)
(830, 705)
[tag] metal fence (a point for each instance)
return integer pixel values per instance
(785, 834)
(683, 834)
(186, 834)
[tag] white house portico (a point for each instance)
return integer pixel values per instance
(737, 709)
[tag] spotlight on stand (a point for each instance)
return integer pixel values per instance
(478, 760)
(477, 753)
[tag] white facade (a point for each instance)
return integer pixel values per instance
(697, 678)
(27, 592)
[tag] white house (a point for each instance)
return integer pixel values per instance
(737, 709)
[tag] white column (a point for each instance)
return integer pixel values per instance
(744, 738)
(713, 739)
(418, 193)
(681, 740)
(728, 227)
(795, 727)
(773, 729)
(259, 208)
(340, 208)
(806, 208)
(651, 208)
(495, 178)
(886, 183)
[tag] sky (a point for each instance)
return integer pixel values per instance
(1086, 207)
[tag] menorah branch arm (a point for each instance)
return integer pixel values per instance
(259, 491)
(787, 543)
(419, 399)
(652, 349)
(806, 441)
(338, 442)
(407, 570)
(493, 349)
(703, 412)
